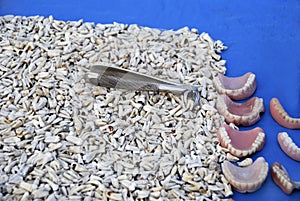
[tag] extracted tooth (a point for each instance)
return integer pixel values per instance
(281, 116)
(282, 178)
(237, 88)
(246, 162)
(288, 146)
(232, 158)
(241, 143)
(246, 179)
(245, 114)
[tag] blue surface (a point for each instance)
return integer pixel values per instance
(262, 36)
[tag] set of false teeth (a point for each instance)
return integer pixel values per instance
(279, 173)
(245, 143)
(241, 143)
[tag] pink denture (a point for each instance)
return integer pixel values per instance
(241, 143)
(245, 114)
(281, 116)
(237, 88)
(281, 177)
(246, 179)
(288, 146)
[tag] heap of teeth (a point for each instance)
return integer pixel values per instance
(62, 138)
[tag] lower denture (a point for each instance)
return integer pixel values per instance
(288, 146)
(245, 114)
(246, 179)
(281, 116)
(241, 143)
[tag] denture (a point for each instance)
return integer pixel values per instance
(241, 143)
(281, 177)
(288, 146)
(246, 179)
(281, 116)
(237, 88)
(245, 114)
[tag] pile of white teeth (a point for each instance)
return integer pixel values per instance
(64, 139)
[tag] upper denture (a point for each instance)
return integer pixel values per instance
(245, 114)
(241, 143)
(281, 116)
(237, 88)
(246, 179)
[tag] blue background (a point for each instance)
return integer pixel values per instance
(262, 36)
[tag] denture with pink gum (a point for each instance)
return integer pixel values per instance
(245, 114)
(241, 143)
(246, 179)
(237, 88)
(281, 177)
(281, 116)
(288, 146)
